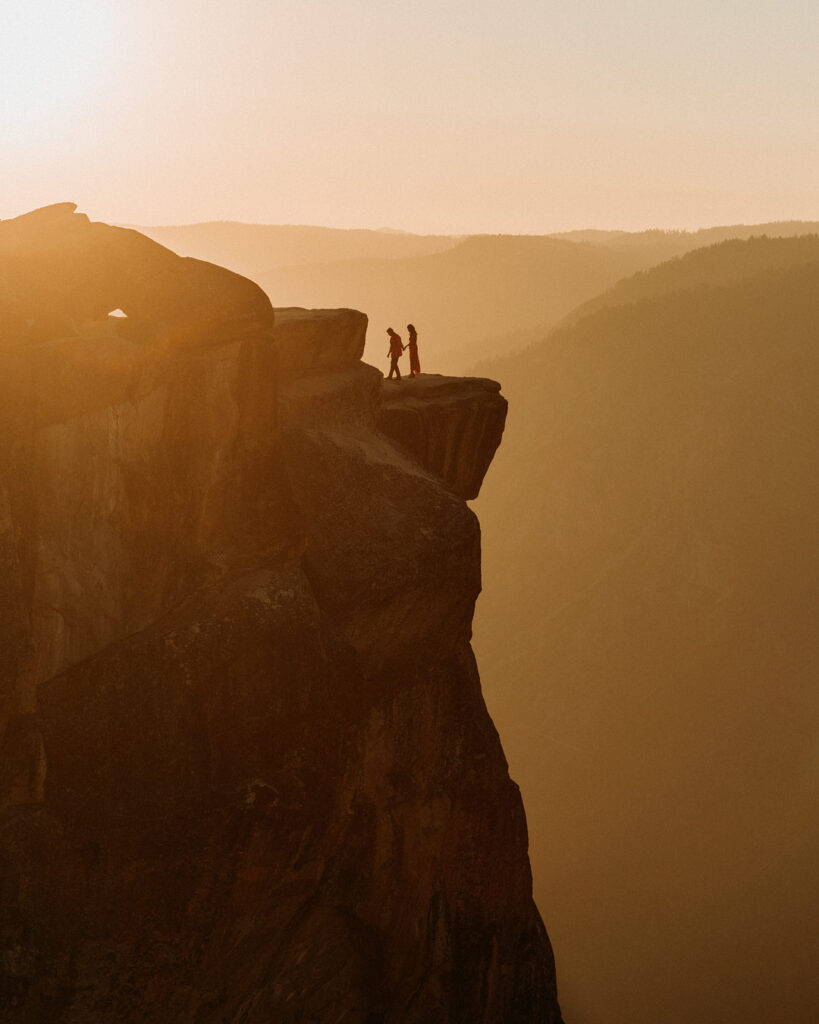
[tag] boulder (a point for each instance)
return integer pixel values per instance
(316, 340)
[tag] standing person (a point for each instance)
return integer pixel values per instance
(412, 345)
(396, 348)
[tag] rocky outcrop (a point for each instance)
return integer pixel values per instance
(310, 340)
(451, 425)
(247, 770)
(64, 271)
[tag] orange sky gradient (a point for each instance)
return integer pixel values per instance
(527, 116)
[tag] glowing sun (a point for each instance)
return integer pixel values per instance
(54, 57)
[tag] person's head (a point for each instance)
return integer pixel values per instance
(390, 330)
(410, 328)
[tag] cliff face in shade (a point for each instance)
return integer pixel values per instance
(247, 771)
(452, 426)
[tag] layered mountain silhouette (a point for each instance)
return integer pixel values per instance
(257, 249)
(471, 297)
(464, 293)
(457, 290)
(648, 642)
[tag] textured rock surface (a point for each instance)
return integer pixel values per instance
(135, 467)
(451, 425)
(247, 769)
(319, 339)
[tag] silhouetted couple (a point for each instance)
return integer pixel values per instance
(396, 351)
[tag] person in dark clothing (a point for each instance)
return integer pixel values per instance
(396, 349)
(412, 345)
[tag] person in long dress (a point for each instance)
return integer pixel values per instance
(412, 345)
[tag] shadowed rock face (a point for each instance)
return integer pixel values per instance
(451, 425)
(63, 270)
(246, 767)
(135, 464)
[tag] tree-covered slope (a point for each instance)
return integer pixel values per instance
(647, 640)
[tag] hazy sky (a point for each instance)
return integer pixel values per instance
(455, 116)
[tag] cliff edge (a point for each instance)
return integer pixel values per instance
(246, 770)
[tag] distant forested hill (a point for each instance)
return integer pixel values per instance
(648, 643)
(682, 241)
(661, 253)
(714, 265)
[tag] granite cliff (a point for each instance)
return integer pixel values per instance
(246, 770)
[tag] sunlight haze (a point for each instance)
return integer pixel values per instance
(468, 117)
(330, 692)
